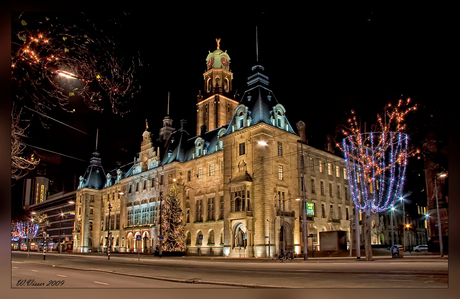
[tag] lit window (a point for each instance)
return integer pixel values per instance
(344, 173)
(211, 169)
(200, 172)
(280, 172)
(329, 168)
(320, 166)
(280, 149)
(337, 171)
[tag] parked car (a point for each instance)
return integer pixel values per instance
(420, 248)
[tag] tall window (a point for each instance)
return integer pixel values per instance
(152, 214)
(340, 213)
(338, 191)
(347, 214)
(313, 186)
(280, 172)
(221, 214)
(322, 188)
(117, 223)
(337, 171)
(344, 173)
(330, 189)
(312, 165)
(211, 169)
(211, 237)
(242, 149)
(346, 193)
(331, 211)
(200, 172)
(130, 217)
(188, 216)
(280, 149)
(329, 168)
(323, 211)
(189, 176)
(320, 166)
(143, 216)
(211, 208)
(199, 210)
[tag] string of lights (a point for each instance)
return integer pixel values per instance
(54, 62)
(22, 230)
(376, 161)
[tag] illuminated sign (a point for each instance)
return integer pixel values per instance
(310, 207)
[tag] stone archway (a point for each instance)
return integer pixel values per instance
(145, 243)
(239, 235)
(130, 242)
(286, 234)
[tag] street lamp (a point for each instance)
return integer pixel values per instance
(408, 228)
(441, 175)
(109, 239)
(404, 221)
(269, 235)
(59, 239)
(392, 233)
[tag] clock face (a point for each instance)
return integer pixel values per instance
(224, 61)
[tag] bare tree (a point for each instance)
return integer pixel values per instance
(20, 165)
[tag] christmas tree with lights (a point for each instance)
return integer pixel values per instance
(172, 224)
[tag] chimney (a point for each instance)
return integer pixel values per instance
(203, 129)
(301, 131)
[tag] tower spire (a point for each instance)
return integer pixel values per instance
(167, 111)
(97, 136)
(257, 47)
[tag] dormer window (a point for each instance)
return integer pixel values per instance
(199, 144)
(241, 116)
(219, 135)
(278, 117)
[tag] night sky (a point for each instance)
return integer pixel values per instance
(321, 61)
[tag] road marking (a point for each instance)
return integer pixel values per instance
(61, 275)
(101, 283)
(34, 270)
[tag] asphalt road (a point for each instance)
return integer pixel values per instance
(125, 271)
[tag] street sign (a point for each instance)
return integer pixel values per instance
(161, 237)
(138, 238)
(200, 237)
(310, 208)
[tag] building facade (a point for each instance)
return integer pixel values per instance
(239, 180)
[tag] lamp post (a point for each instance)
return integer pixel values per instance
(392, 233)
(404, 223)
(269, 236)
(442, 175)
(408, 228)
(109, 239)
(59, 239)
(304, 207)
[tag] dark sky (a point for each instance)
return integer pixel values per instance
(321, 61)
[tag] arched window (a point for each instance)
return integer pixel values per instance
(208, 85)
(211, 237)
(198, 240)
(199, 144)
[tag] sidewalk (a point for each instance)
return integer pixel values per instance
(378, 256)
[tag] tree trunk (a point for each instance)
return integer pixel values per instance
(367, 236)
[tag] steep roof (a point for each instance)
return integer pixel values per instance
(94, 177)
(260, 105)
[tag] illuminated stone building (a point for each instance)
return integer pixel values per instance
(239, 179)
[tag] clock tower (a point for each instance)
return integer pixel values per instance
(215, 106)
